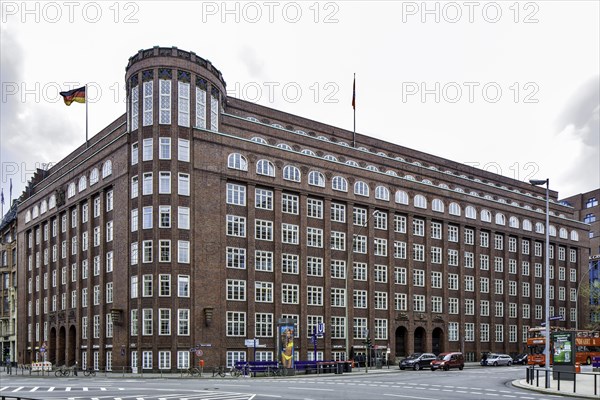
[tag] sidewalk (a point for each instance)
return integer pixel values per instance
(584, 385)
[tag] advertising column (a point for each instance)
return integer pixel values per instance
(286, 329)
(562, 348)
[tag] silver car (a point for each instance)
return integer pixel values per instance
(499, 359)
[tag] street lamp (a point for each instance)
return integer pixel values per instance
(539, 182)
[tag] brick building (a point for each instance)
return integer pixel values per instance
(8, 285)
(587, 209)
(198, 221)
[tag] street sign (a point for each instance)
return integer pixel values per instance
(557, 318)
(193, 349)
(199, 353)
(320, 328)
(251, 342)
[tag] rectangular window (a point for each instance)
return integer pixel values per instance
(236, 290)
(263, 292)
(183, 150)
(236, 226)
(183, 322)
(263, 230)
(289, 233)
(147, 104)
(236, 323)
(263, 325)
(183, 286)
(289, 264)
(400, 223)
(236, 257)
(263, 261)
(147, 322)
(183, 184)
(164, 183)
(418, 227)
(164, 321)
(314, 208)
(236, 194)
(263, 199)
(135, 98)
(147, 183)
(183, 217)
(165, 101)
(314, 237)
(289, 203)
(200, 108)
(183, 103)
(289, 293)
(183, 251)
(338, 212)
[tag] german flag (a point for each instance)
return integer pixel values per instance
(77, 95)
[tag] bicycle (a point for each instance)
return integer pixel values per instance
(89, 372)
(219, 371)
(192, 372)
(236, 372)
(62, 371)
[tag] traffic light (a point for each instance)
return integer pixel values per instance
(368, 342)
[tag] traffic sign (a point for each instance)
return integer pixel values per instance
(199, 353)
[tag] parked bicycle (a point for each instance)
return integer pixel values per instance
(62, 371)
(89, 372)
(192, 372)
(220, 371)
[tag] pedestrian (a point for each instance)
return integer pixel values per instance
(75, 370)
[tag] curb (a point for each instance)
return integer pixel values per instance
(522, 384)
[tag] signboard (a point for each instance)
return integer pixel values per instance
(251, 342)
(320, 329)
(563, 348)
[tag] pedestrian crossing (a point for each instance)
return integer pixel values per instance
(91, 393)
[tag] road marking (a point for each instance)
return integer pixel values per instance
(17, 389)
(409, 397)
(85, 389)
(51, 389)
(68, 389)
(271, 395)
(103, 389)
(34, 389)
(508, 395)
(299, 388)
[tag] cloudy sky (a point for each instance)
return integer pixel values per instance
(510, 87)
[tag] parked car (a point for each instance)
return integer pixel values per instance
(499, 359)
(446, 361)
(417, 361)
(520, 359)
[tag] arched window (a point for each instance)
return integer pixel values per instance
(381, 153)
(563, 233)
(308, 152)
(315, 178)
(257, 139)
(352, 163)
(52, 202)
(265, 167)
(401, 197)
(382, 193)
(106, 169)
(500, 219)
(82, 183)
(339, 183)
(361, 189)
(28, 216)
(291, 173)
(427, 182)
(71, 190)
(372, 168)
(391, 172)
(539, 227)
(300, 132)
(437, 205)
(552, 230)
(323, 138)
(420, 201)
(444, 186)
(527, 225)
(94, 176)
(470, 212)
(486, 216)
(330, 157)
(35, 212)
(43, 206)
(513, 222)
(343, 144)
(237, 161)
(454, 209)
(409, 177)
(574, 236)
(284, 146)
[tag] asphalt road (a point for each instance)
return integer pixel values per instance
(471, 383)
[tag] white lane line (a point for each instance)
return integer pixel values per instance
(103, 389)
(51, 389)
(271, 395)
(321, 390)
(34, 389)
(85, 389)
(508, 395)
(409, 397)
(17, 389)
(68, 389)
(4, 388)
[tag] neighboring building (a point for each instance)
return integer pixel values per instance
(197, 221)
(8, 285)
(587, 209)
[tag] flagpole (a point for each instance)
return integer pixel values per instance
(87, 100)
(354, 108)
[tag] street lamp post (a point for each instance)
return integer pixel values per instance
(538, 182)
